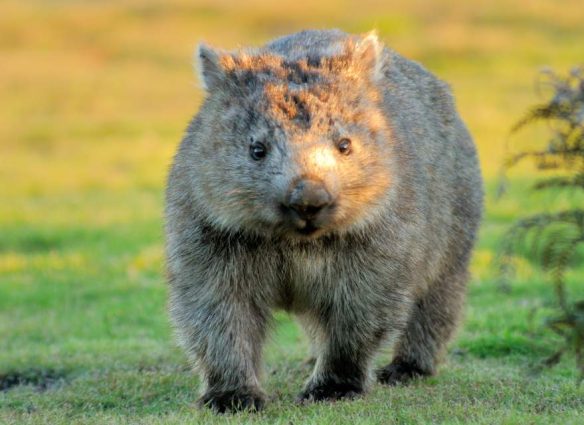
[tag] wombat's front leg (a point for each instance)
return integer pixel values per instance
(223, 331)
(431, 325)
(342, 365)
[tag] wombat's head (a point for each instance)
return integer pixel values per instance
(295, 145)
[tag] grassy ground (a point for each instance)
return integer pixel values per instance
(93, 99)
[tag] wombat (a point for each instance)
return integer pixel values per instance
(330, 177)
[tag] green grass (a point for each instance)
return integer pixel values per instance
(94, 98)
(82, 307)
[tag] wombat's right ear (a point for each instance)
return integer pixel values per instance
(209, 67)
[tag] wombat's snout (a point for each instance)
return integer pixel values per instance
(307, 198)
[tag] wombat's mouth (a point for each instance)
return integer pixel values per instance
(306, 222)
(308, 229)
(305, 226)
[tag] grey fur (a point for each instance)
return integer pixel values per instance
(386, 264)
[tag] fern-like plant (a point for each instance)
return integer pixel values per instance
(553, 238)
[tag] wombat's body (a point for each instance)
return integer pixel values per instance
(330, 177)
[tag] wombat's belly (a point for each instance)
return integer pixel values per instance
(309, 278)
(319, 278)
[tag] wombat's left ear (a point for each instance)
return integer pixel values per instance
(209, 66)
(367, 55)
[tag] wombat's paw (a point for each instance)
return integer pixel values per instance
(233, 401)
(399, 372)
(329, 391)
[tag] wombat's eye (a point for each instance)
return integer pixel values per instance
(344, 146)
(258, 150)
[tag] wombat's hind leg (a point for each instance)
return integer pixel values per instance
(431, 325)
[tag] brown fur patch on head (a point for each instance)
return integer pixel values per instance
(300, 91)
(291, 105)
(356, 61)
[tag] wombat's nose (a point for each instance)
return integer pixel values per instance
(307, 198)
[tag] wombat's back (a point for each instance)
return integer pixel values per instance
(444, 168)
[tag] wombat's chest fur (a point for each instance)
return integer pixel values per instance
(328, 176)
(303, 276)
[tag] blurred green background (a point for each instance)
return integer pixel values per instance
(94, 97)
